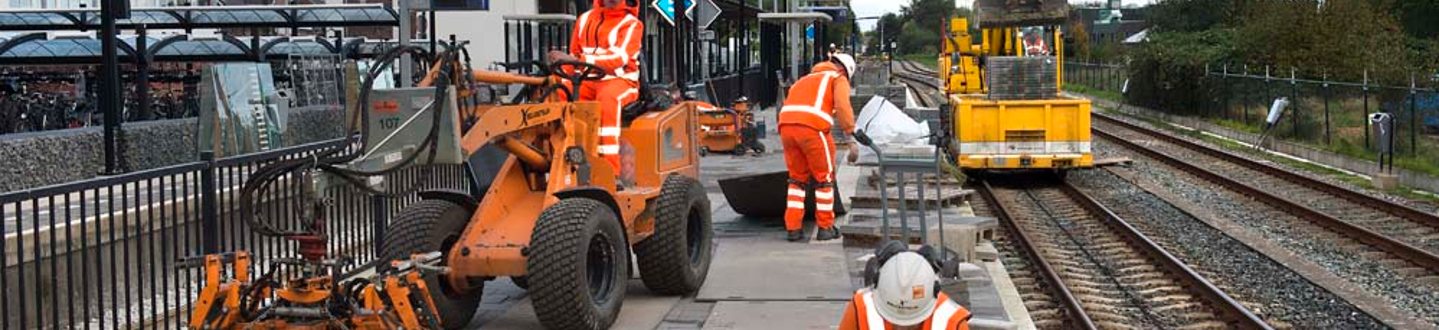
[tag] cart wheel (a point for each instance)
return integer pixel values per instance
(738, 150)
(704, 151)
(578, 265)
(758, 148)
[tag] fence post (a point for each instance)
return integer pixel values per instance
(1243, 101)
(1413, 117)
(1294, 99)
(1224, 81)
(1365, 119)
(1327, 93)
(209, 211)
(379, 219)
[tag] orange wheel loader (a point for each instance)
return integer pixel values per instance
(554, 216)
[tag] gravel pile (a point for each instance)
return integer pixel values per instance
(1335, 253)
(1278, 295)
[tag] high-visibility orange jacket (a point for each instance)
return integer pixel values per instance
(818, 99)
(610, 39)
(862, 315)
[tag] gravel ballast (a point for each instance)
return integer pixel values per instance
(1337, 254)
(1279, 296)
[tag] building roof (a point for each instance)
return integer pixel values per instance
(203, 17)
(40, 48)
(1137, 38)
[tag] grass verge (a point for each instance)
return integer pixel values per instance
(1312, 168)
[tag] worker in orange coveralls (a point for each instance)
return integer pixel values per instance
(608, 36)
(809, 112)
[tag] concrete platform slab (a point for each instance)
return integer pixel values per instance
(766, 267)
(642, 310)
(775, 315)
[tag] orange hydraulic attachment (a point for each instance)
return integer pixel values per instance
(729, 130)
(308, 298)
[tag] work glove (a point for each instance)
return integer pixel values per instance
(853, 153)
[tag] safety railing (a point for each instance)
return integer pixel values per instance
(101, 253)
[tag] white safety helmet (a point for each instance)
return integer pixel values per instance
(847, 61)
(905, 289)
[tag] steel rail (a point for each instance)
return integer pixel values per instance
(1384, 243)
(1073, 307)
(1239, 316)
(1386, 206)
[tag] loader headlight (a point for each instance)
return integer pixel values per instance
(575, 155)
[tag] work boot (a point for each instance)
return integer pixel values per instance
(795, 235)
(826, 234)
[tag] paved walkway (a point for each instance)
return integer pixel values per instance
(757, 280)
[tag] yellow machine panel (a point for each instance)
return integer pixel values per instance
(1021, 134)
(988, 134)
(958, 63)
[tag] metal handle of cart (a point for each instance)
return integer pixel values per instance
(900, 167)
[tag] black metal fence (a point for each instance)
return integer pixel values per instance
(1101, 76)
(102, 253)
(1321, 111)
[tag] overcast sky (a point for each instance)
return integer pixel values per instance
(864, 8)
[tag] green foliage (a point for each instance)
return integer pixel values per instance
(1190, 15)
(1165, 72)
(918, 27)
(1420, 18)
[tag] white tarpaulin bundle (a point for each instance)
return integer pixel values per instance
(892, 131)
(886, 124)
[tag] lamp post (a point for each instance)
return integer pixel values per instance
(892, 46)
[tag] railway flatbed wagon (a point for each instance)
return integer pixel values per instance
(1021, 134)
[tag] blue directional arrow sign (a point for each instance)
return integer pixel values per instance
(667, 9)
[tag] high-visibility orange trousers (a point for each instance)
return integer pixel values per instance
(809, 154)
(613, 95)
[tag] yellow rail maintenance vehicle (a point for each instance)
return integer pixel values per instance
(1006, 109)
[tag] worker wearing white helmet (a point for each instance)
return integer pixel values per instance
(815, 103)
(904, 296)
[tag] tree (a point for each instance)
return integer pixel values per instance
(1079, 48)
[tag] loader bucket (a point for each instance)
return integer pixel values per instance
(763, 196)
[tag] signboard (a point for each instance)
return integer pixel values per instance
(707, 35)
(809, 32)
(459, 5)
(707, 11)
(667, 9)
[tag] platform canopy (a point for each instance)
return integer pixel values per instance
(38, 48)
(203, 17)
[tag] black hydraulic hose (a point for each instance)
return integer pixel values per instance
(325, 159)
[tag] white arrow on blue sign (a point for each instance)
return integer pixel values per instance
(667, 9)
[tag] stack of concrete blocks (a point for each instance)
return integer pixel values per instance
(1022, 77)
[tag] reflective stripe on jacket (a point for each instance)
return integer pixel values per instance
(947, 315)
(818, 100)
(609, 38)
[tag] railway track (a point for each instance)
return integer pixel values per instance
(1087, 268)
(1410, 236)
(921, 80)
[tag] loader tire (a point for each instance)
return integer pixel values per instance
(578, 265)
(426, 226)
(677, 257)
(520, 281)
